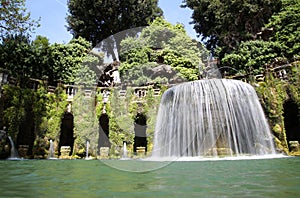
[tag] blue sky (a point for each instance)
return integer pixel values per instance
(52, 14)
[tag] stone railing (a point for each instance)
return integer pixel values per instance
(280, 72)
(71, 90)
(139, 92)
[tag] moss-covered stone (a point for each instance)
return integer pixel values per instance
(49, 108)
(273, 93)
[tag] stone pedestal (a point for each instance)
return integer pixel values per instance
(219, 152)
(294, 146)
(22, 150)
(104, 152)
(140, 151)
(64, 152)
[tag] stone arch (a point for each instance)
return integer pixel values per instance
(140, 127)
(66, 132)
(26, 135)
(291, 121)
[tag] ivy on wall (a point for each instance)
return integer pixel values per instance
(47, 108)
(85, 123)
(56, 106)
(122, 111)
(273, 93)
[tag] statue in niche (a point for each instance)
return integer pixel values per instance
(110, 76)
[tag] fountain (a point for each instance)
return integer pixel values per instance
(87, 149)
(13, 151)
(211, 118)
(51, 150)
(124, 150)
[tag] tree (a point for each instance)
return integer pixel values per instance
(23, 59)
(18, 58)
(66, 60)
(225, 23)
(159, 43)
(278, 44)
(14, 18)
(96, 20)
(41, 51)
(252, 57)
(285, 26)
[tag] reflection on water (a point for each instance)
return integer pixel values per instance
(93, 178)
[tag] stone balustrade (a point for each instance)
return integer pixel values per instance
(280, 72)
(71, 90)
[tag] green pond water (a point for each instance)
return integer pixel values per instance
(95, 178)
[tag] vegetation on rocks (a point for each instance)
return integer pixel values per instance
(274, 93)
(257, 41)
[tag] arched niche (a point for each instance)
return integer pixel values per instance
(26, 133)
(140, 135)
(291, 121)
(103, 131)
(67, 132)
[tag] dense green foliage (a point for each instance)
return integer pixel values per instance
(162, 43)
(273, 93)
(96, 20)
(19, 58)
(47, 109)
(85, 122)
(255, 56)
(31, 67)
(121, 119)
(285, 25)
(122, 112)
(251, 57)
(66, 60)
(225, 24)
(23, 59)
(234, 30)
(56, 105)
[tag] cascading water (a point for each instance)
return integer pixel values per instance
(216, 117)
(87, 149)
(124, 150)
(13, 151)
(51, 150)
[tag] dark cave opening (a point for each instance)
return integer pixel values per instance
(291, 121)
(140, 127)
(67, 132)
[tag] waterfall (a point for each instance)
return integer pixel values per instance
(13, 151)
(216, 117)
(51, 150)
(124, 150)
(87, 149)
